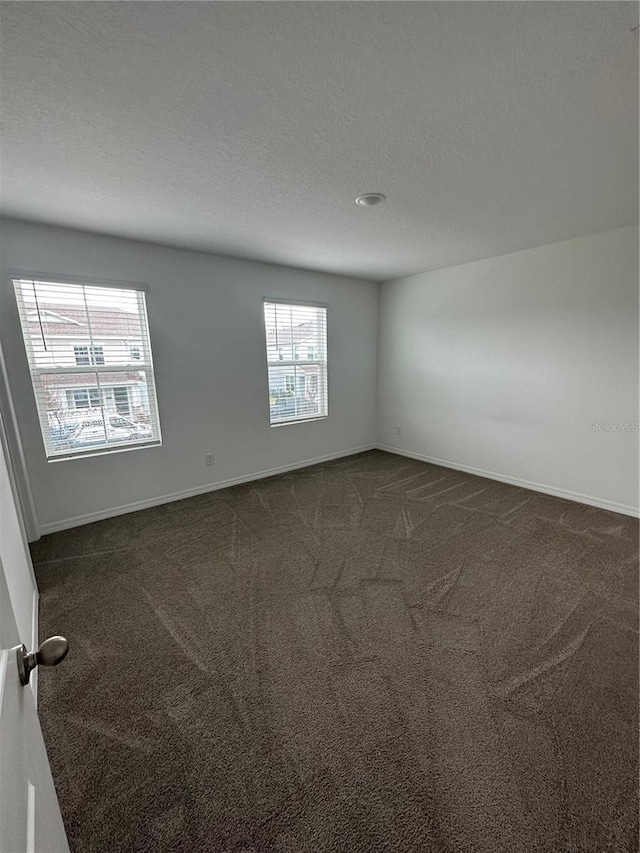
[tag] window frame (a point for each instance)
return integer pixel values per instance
(15, 277)
(294, 363)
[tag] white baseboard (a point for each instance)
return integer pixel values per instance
(601, 503)
(77, 521)
(100, 515)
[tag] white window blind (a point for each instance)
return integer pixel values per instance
(90, 359)
(296, 361)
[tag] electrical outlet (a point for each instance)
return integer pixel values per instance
(398, 430)
(208, 458)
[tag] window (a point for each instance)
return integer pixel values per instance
(89, 355)
(84, 398)
(312, 384)
(121, 400)
(117, 399)
(80, 341)
(296, 361)
(82, 355)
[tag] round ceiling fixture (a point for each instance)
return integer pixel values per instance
(370, 199)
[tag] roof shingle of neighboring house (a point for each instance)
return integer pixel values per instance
(55, 382)
(299, 333)
(62, 321)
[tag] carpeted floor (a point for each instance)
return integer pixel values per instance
(370, 655)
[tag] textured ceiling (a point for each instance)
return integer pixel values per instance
(249, 128)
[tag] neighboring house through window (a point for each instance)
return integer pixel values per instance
(91, 368)
(296, 337)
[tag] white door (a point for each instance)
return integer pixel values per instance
(29, 813)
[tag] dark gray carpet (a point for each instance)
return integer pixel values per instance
(370, 655)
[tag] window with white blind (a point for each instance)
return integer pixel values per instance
(90, 359)
(296, 361)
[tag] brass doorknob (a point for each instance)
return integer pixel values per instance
(49, 653)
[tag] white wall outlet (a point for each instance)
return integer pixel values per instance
(208, 458)
(398, 430)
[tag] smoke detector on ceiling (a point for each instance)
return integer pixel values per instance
(370, 199)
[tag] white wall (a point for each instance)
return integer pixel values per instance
(503, 364)
(499, 365)
(207, 331)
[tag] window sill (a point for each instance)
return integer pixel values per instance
(300, 421)
(103, 451)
